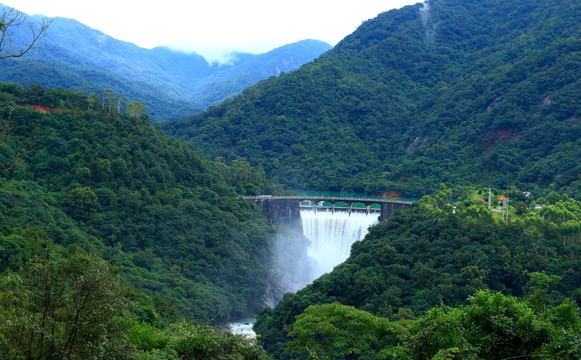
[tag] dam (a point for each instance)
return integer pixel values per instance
(331, 224)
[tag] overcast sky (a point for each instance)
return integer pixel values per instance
(215, 27)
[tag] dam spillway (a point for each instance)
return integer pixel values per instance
(315, 233)
(331, 234)
(286, 209)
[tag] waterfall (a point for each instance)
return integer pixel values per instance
(321, 241)
(331, 234)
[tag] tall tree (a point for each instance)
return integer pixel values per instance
(135, 108)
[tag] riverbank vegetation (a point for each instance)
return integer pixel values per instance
(76, 306)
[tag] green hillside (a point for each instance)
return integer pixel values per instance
(113, 184)
(462, 92)
(119, 241)
(434, 255)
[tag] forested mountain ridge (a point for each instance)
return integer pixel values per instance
(75, 176)
(250, 69)
(171, 83)
(454, 91)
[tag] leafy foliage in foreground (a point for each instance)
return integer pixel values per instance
(491, 326)
(186, 341)
(114, 184)
(456, 91)
(72, 306)
(432, 254)
(63, 308)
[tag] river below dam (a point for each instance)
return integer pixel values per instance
(243, 327)
(302, 255)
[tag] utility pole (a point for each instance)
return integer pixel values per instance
(489, 197)
(507, 210)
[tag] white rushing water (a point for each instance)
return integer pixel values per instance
(325, 243)
(244, 327)
(332, 233)
(322, 242)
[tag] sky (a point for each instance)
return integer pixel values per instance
(214, 28)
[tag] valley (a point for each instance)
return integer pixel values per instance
(413, 192)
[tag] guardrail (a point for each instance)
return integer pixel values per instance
(331, 194)
(334, 198)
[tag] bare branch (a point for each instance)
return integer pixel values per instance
(10, 22)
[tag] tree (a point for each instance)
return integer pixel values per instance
(82, 201)
(186, 340)
(492, 326)
(103, 169)
(120, 101)
(5, 129)
(70, 308)
(14, 251)
(339, 332)
(10, 20)
(241, 170)
(520, 208)
(108, 97)
(135, 108)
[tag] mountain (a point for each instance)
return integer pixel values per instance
(462, 92)
(169, 220)
(249, 69)
(171, 83)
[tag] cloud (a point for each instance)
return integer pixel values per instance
(214, 28)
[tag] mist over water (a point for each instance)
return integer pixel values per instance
(303, 255)
(300, 257)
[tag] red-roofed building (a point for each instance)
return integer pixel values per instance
(502, 200)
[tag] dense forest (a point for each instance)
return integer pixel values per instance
(81, 175)
(492, 326)
(435, 256)
(119, 241)
(461, 92)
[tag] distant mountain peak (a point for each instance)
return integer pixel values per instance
(171, 83)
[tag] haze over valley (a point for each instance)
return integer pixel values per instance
(172, 84)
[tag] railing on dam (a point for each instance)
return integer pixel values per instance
(361, 199)
(353, 196)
